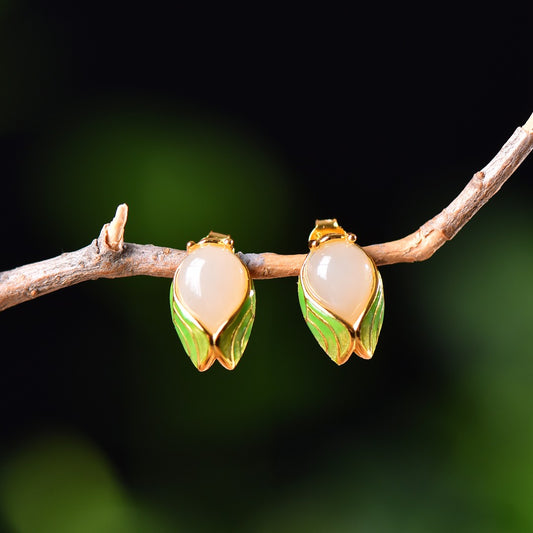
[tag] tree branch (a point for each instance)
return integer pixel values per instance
(109, 257)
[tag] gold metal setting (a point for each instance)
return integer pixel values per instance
(213, 238)
(228, 361)
(324, 231)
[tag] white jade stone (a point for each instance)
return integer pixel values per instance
(339, 276)
(212, 283)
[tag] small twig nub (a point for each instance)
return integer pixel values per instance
(528, 126)
(112, 235)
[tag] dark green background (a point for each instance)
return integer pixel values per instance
(254, 124)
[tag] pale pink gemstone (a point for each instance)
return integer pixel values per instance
(339, 276)
(212, 283)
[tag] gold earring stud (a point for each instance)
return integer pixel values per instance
(212, 301)
(341, 293)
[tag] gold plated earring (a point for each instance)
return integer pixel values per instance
(341, 293)
(212, 302)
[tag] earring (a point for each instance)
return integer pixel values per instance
(212, 302)
(341, 293)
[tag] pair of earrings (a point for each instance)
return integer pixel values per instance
(212, 298)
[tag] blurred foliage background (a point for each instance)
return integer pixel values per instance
(255, 124)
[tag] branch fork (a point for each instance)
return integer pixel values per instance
(110, 257)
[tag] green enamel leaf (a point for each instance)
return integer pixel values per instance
(194, 339)
(234, 337)
(371, 323)
(331, 333)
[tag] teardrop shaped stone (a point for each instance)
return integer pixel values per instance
(339, 276)
(212, 283)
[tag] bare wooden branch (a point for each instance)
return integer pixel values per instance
(109, 257)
